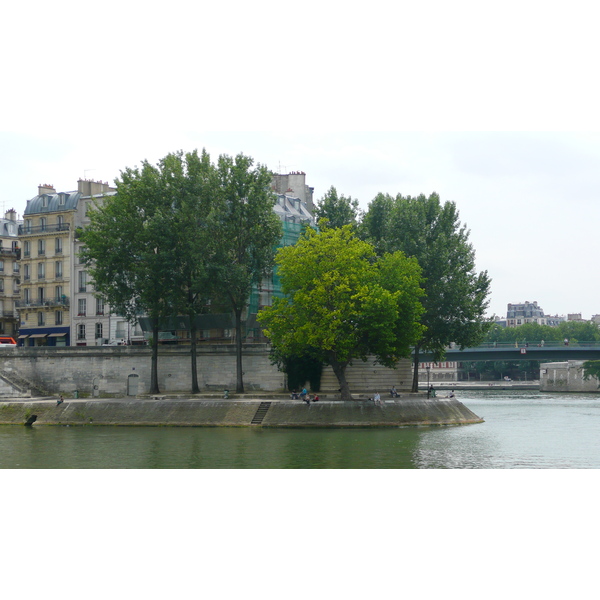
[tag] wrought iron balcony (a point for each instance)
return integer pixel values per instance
(46, 302)
(37, 229)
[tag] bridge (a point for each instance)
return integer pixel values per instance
(546, 352)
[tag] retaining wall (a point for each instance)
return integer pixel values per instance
(400, 413)
(125, 370)
(566, 377)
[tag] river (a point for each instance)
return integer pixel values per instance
(522, 430)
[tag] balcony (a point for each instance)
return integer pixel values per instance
(25, 230)
(10, 253)
(45, 302)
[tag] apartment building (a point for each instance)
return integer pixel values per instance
(10, 255)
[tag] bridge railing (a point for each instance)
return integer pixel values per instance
(535, 344)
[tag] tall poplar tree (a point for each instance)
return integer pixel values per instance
(247, 231)
(456, 296)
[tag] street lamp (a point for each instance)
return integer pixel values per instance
(427, 369)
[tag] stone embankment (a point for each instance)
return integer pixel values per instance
(413, 410)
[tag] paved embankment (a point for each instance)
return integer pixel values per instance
(279, 413)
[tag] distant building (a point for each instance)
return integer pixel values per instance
(527, 312)
(574, 317)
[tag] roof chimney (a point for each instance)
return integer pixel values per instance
(46, 189)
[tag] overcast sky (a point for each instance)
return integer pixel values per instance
(495, 109)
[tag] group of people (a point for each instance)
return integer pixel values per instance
(304, 396)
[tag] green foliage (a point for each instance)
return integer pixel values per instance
(456, 295)
(591, 368)
(534, 333)
(336, 210)
(299, 370)
(342, 304)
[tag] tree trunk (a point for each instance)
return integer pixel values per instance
(194, 354)
(154, 364)
(415, 383)
(340, 372)
(239, 388)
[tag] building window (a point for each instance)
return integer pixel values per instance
(1, 266)
(99, 306)
(27, 272)
(98, 330)
(62, 199)
(58, 269)
(81, 307)
(81, 332)
(27, 248)
(1, 285)
(58, 248)
(41, 271)
(41, 247)
(58, 317)
(82, 281)
(27, 296)
(44, 201)
(43, 223)
(58, 292)
(40, 318)
(16, 267)
(41, 295)
(15, 286)
(28, 225)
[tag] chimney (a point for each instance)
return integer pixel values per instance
(46, 189)
(11, 215)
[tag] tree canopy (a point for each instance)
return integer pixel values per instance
(342, 304)
(456, 296)
(337, 210)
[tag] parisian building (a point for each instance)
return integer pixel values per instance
(10, 255)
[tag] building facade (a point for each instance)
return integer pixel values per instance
(10, 255)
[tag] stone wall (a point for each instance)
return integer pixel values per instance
(125, 370)
(566, 377)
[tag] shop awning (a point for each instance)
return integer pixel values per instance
(22, 337)
(38, 335)
(56, 335)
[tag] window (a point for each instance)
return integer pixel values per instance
(81, 332)
(27, 248)
(41, 271)
(58, 292)
(27, 272)
(1, 285)
(58, 317)
(44, 201)
(99, 306)
(58, 247)
(41, 295)
(16, 267)
(1, 265)
(15, 286)
(28, 225)
(62, 199)
(43, 223)
(27, 295)
(58, 269)
(81, 307)
(82, 281)
(41, 318)
(98, 330)
(41, 247)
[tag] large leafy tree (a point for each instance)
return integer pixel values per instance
(337, 209)
(130, 249)
(342, 304)
(247, 231)
(456, 295)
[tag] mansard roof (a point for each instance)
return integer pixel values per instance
(52, 202)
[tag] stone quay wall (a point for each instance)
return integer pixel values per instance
(403, 412)
(566, 377)
(125, 371)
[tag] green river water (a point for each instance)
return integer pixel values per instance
(521, 430)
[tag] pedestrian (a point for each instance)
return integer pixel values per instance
(431, 392)
(393, 392)
(566, 341)
(316, 398)
(60, 400)
(377, 398)
(303, 395)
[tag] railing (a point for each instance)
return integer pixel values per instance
(64, 301)
(535, 344)
(10, 252)
(30, 230)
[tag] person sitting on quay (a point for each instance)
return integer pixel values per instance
(294, 395)
(377, 398)
(393, 392)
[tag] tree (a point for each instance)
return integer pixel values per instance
(338, 210)
(191, 188)
(342, 304)
(247, 230)
(456, 296)
(591, 368)
(130, 249)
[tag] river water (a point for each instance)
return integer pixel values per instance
(522, 430)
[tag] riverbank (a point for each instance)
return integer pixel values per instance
(411, 410)
(482, 385)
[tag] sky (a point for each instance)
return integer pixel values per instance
(493, 108)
